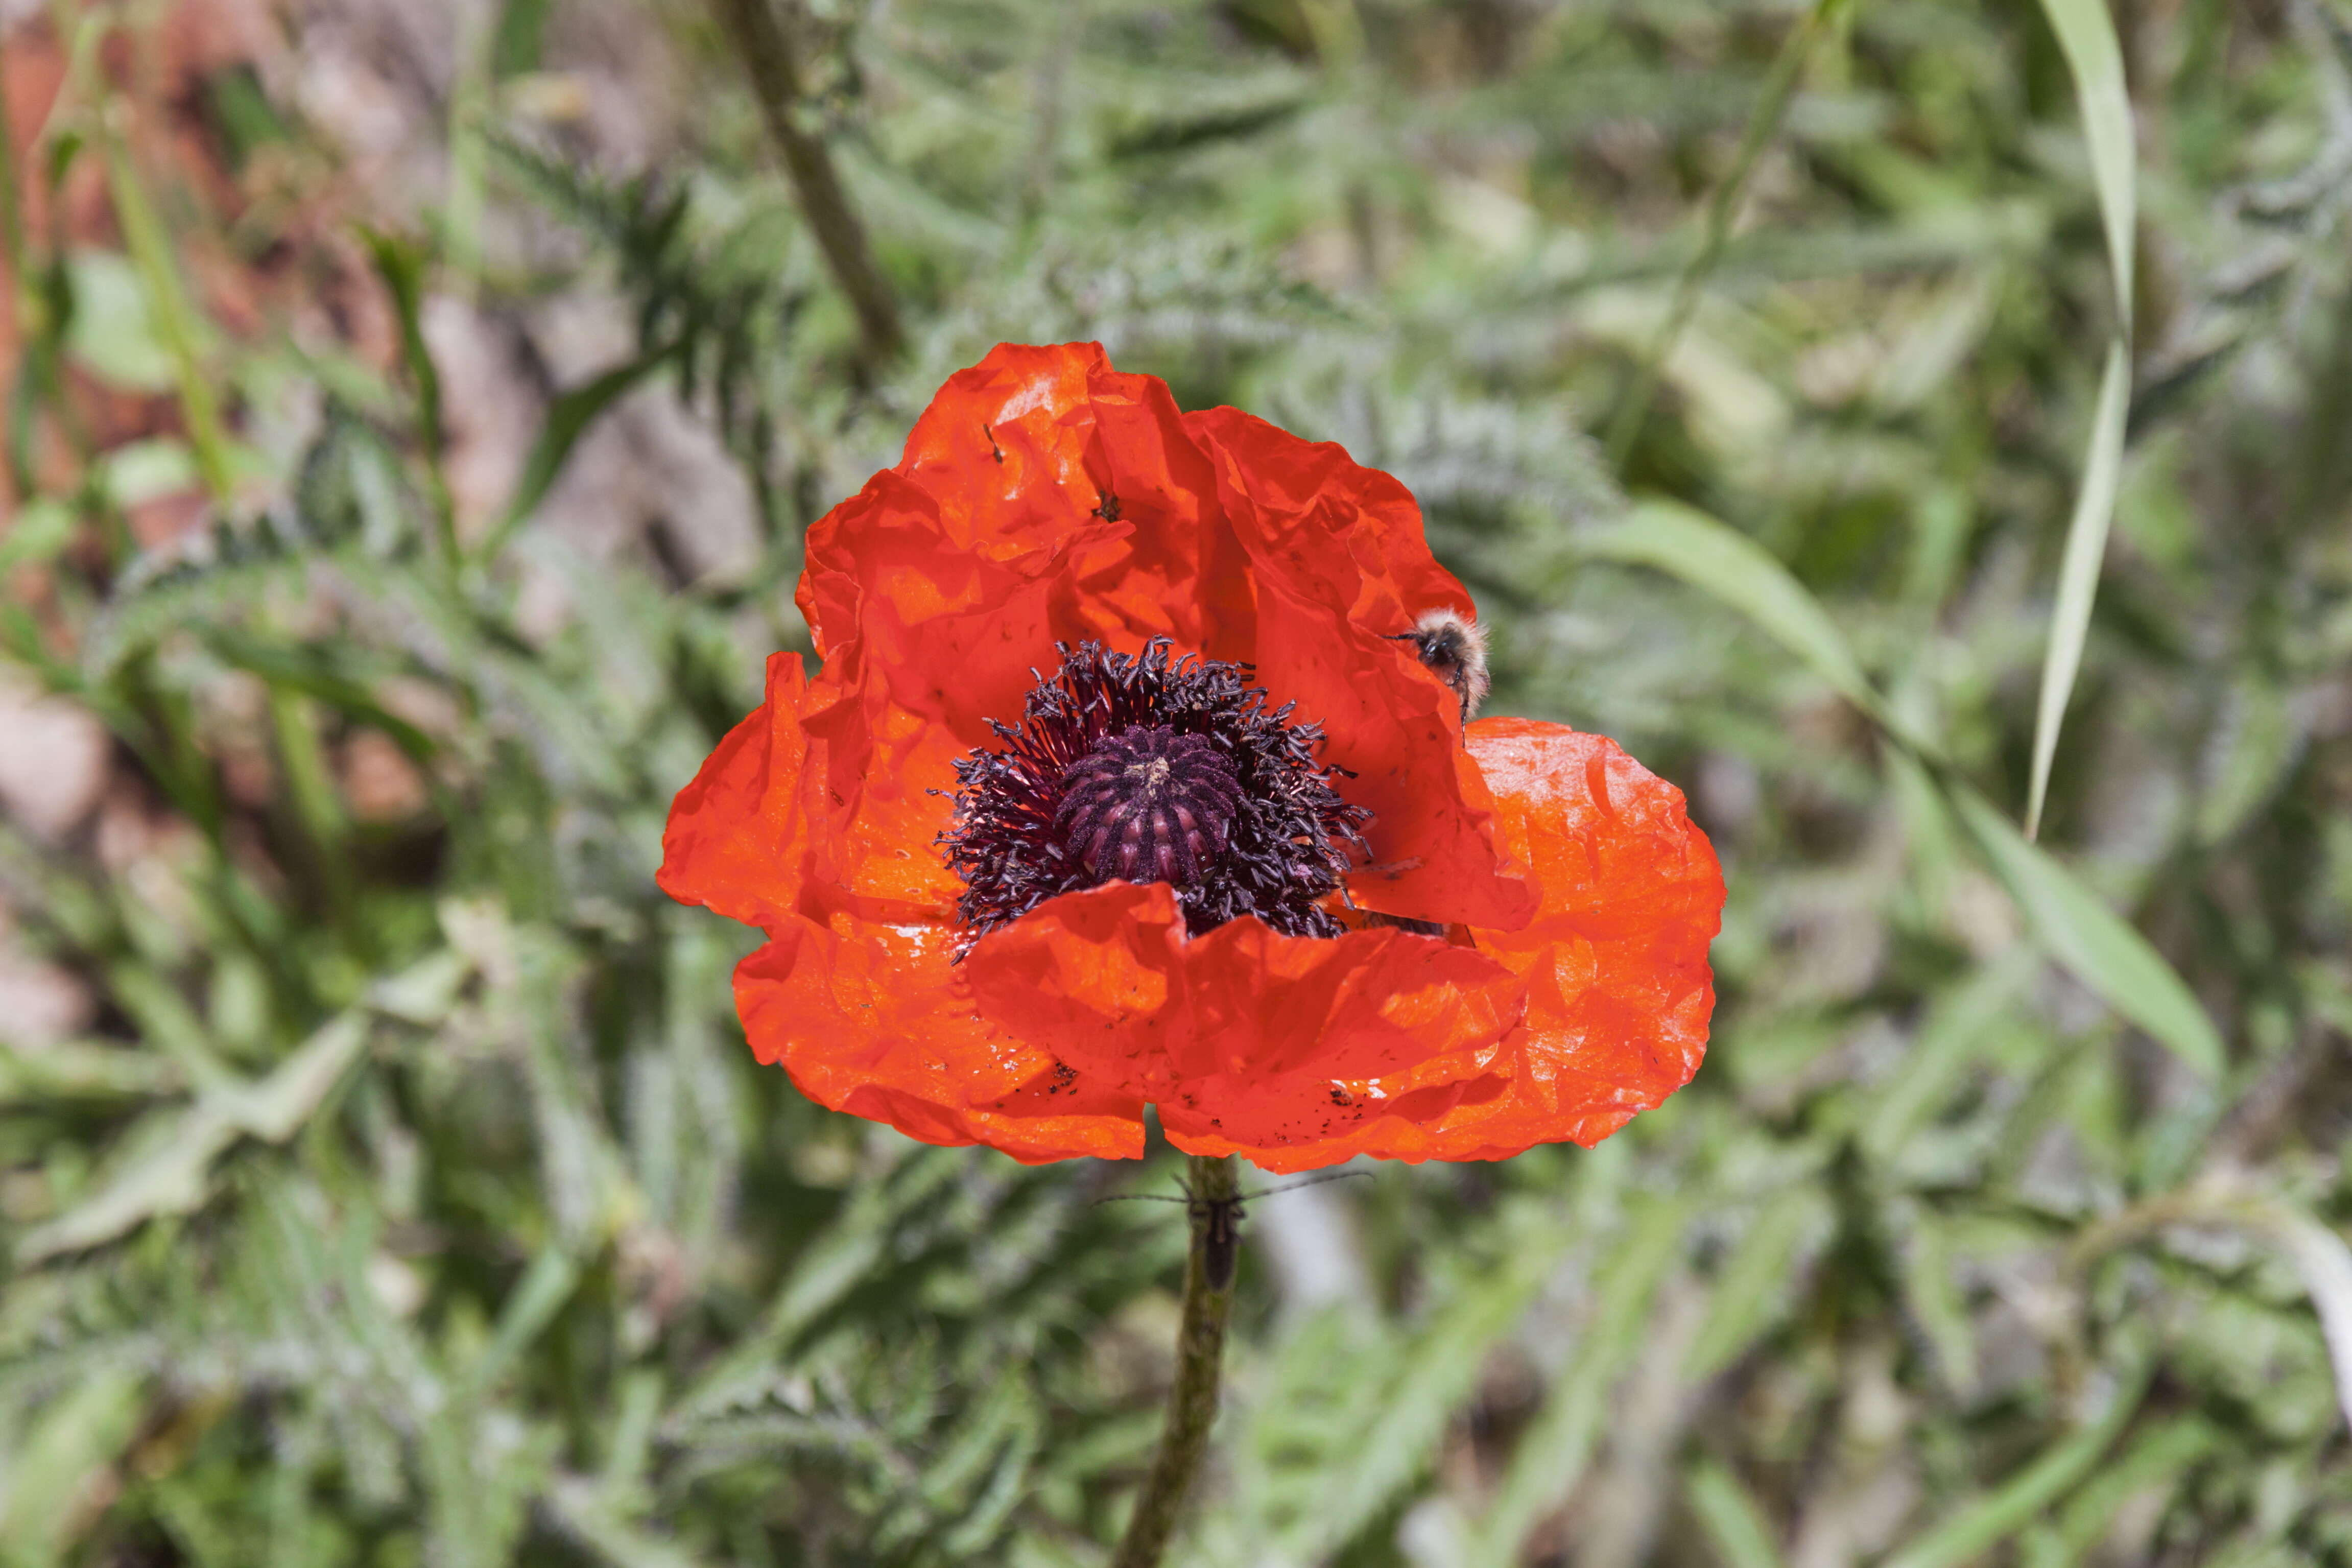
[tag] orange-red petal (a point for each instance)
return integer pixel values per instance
(1341, 568)
(1095, 979)
(1043, 498)
(1028, 453)
(737, 840)
(869, 1019)
(1618, 989)
(1246, 1038)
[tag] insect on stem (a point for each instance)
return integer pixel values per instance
(1213, 1199)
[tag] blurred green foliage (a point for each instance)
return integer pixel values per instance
(413, 1199)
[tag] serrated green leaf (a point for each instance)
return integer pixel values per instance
(1956, 1025)
(113, 332)
(2264, 736)
(532, 1304)
(590, 1517)
(169, 1162)
(40, 528)
(823, 1273)
(141, 471)
(1750, 1291)
(2153, 1459)
(568, 419)
(401, 264)
(67, 1070)
(1934, 1298)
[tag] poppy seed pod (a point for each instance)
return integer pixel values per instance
(1123, 781)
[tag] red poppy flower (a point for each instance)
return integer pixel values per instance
(1123, 781)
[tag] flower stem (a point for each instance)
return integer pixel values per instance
(765, 44)
(1200, 1354)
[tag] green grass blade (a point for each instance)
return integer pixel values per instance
(568, 418)
(2325, 1263)
(1750, 1290)
(2154, 1459)
(2087, 36)
(402, 267)
(1735, 1526)
(40, 531)
(2018, 1501)
(2078, 572)
(2091, 940)
(1734, 570)
(1763, 123)
(1955, 1029)
(1439, 1373)
(51, 1469)
(2101, 948)
(175, 314)
(544, 1290)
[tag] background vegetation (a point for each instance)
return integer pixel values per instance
(415, 408)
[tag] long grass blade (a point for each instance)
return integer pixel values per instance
(2072, 922)
(1555, 1448)
(2098, 946)
(1737, 571)
(175, 314)
(1763, 123)
(568, 419)
(2087, 36)
(2078, 572)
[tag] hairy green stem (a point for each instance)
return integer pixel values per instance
(756, 33)
(1200, 1357)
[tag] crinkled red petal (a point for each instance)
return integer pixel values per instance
(870, 1019)
(1246, 1038)
(1341, 568)
(737, 840)
(1304, 1123)
(1095, 979)
(1043, 498)
(1033, 450)
(1619, 991)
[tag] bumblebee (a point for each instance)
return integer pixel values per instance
(1453, 647)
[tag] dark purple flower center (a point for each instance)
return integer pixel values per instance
(1137, 768)
(1148, 804)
